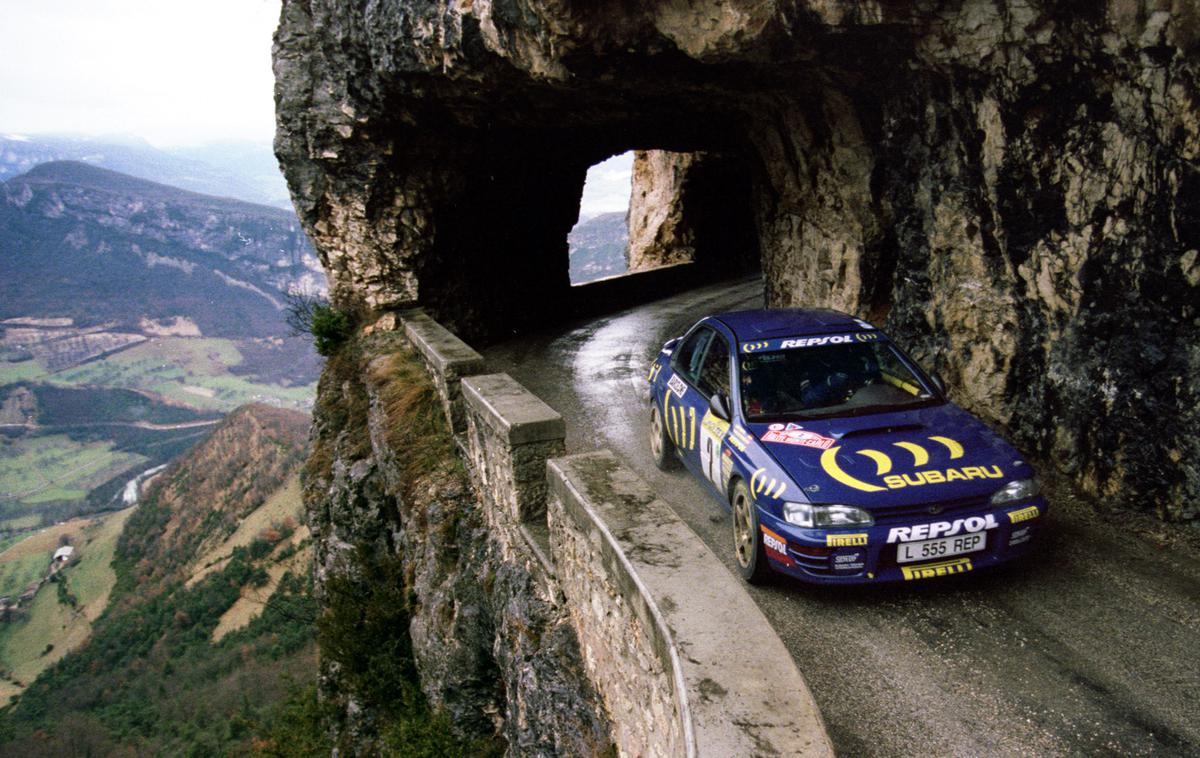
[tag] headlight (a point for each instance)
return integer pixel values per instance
(1020, 489)
(821, 516)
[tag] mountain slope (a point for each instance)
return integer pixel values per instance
(245, 170)
(597, 247)
(208, 491)
(151, 679)
(94, 245)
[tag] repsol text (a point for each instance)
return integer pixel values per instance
(941, 528)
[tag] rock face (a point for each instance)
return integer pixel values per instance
(1011, 187)
(658, 234)
(491, 641)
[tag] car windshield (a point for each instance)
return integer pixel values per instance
(829, 380)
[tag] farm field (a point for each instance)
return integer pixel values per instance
(26, 558)
(37, 471)
(198, 372)
(51, 628)
(70, 439)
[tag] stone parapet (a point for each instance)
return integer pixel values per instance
(510, 435)
(642, 589)
(639, 587)
(448, 359)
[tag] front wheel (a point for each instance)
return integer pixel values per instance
(661, 446)
(747, 539)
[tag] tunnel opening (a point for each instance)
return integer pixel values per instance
(649, 209)
(598, 244)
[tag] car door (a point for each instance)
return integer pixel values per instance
(682, 400)
(713, 379)
(701, 367)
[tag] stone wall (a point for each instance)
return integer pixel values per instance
(601, 550)
(492, 644)
(684, 659)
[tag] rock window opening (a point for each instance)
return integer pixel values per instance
(648, 209)
(598, 244)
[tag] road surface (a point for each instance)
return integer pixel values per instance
(1091, 647)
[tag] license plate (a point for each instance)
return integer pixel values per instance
(927, 550)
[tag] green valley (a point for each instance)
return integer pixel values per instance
(181, 626)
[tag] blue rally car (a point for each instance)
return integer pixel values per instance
(842, 461)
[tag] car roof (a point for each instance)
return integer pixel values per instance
(763, 323)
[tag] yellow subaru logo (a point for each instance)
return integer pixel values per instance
(916, 478)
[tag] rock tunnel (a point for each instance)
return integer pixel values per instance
(1011, 188)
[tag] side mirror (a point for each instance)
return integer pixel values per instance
(719, 405)
(938, 382)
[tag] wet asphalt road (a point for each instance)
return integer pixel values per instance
(1089, 647)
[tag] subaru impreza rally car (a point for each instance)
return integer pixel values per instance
(842, 461)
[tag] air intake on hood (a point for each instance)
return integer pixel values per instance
(883, 430)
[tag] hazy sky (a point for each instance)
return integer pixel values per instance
(169, 71)
(607, 187)
(172, 72)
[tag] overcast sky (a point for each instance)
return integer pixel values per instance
(171, 72)
(607, 187)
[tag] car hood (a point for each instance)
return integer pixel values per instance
(929, 454)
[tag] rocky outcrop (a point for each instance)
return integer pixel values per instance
(658, 235)
(488, 635)
(1011, 187)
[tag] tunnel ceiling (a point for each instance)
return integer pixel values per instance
(1011, 187)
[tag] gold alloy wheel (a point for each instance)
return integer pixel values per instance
(743, 535)
(656, 434)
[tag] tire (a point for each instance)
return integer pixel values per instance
(748, 549)
(662, 449)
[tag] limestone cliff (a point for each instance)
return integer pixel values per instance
(412, 579)
(1011, 186)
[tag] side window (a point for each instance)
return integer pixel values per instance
(892, 371)
(690, 352)
(714, 373)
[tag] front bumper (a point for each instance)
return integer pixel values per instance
(861, 556)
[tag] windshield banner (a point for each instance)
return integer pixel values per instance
(791, 343)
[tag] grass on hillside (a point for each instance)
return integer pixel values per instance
(11, 540)
(152, 682)
(51, 628)
(21, 523)
(283, 506)
(253, 600)
(27, 559)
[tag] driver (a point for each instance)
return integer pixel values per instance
(764, 392)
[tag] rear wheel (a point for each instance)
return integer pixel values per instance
(747, 537)
(661, 446)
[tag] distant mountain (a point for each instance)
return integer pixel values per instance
(252, 163)
(597, 247)
(98, 246)
(210, 620)
(243, 170)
